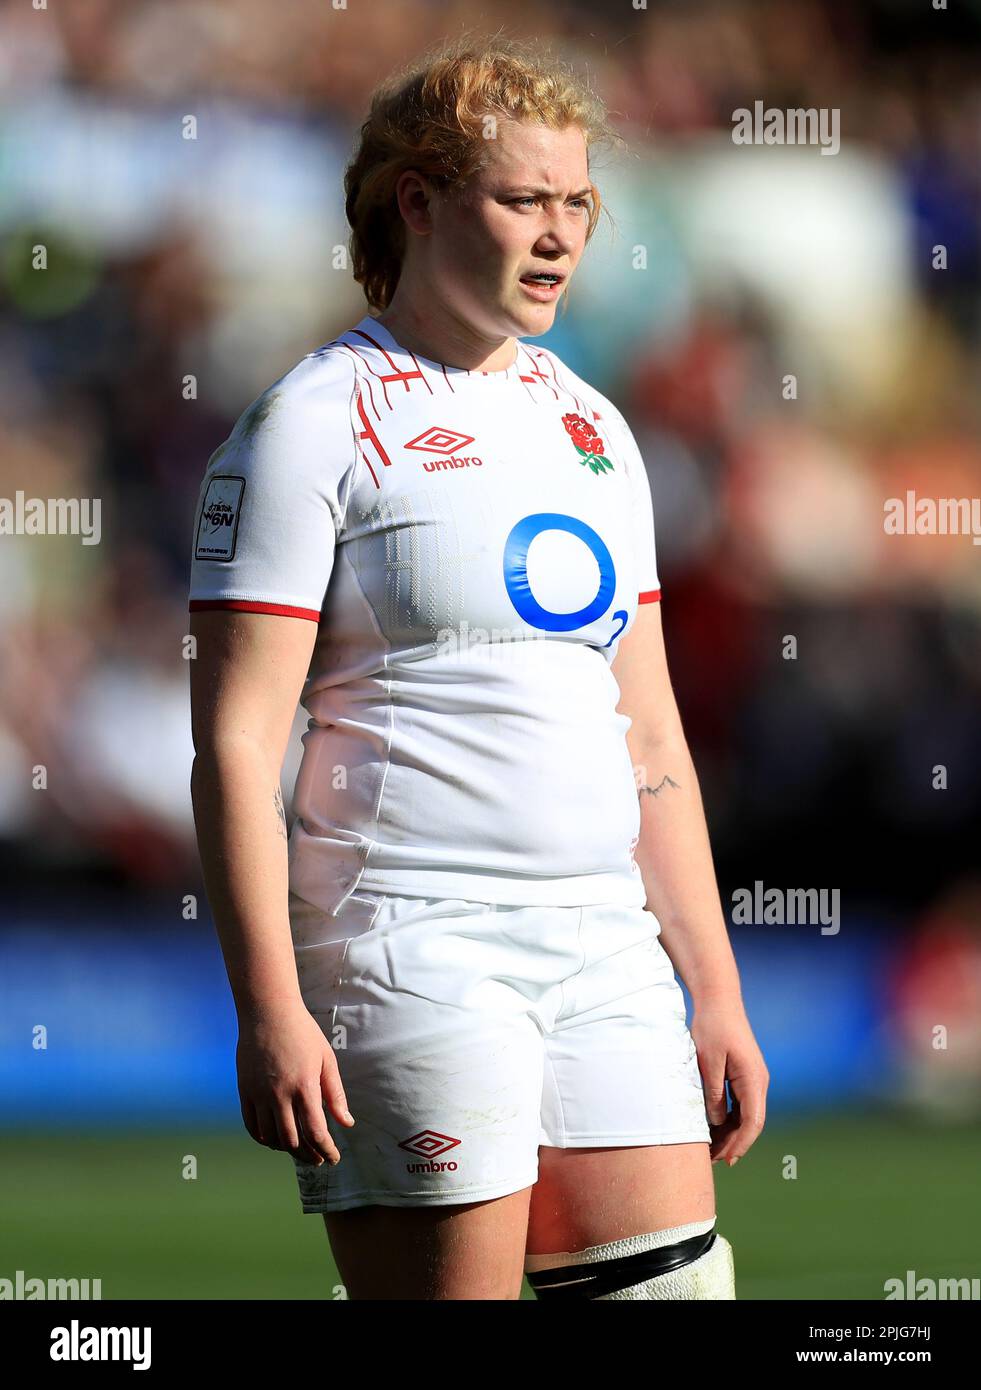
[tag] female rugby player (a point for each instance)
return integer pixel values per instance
(455, 984)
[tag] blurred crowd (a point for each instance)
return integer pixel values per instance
(776, 326)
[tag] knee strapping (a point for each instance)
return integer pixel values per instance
(685, 1262)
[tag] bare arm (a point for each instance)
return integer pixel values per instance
(675, 860)
(246, 680)
(673, 854)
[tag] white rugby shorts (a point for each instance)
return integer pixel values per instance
(467, 1034)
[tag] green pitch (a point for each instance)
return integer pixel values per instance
(872, 1198)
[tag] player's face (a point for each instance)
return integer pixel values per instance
(526, 210)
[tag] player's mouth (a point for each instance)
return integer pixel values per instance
(543, 285)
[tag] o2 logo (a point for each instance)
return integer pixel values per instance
(516, 549)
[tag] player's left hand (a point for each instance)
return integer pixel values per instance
(727, 1051)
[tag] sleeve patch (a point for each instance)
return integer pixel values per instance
(218, 526)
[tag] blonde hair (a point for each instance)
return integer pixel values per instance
(430, 117)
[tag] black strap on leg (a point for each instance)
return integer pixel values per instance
(608, 1276)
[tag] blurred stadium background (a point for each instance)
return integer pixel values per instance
(221, 258)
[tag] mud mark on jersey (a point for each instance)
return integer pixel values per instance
(258, 412)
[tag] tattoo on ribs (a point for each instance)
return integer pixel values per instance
(664, 782)
(280, 812)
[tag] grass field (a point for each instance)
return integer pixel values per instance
(873, 1198)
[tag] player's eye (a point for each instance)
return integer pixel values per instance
(530, 198)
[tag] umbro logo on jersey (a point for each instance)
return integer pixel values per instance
(430, 1143)
(439, 441)
(437, 465)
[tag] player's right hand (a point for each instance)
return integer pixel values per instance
(287, 1069)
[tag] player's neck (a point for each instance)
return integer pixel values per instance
(433, 334)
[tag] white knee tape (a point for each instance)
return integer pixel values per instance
(711, 1276)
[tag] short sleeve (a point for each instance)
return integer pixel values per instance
(642, 510)
(273, 496)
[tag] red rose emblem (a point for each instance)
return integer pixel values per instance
(583, 435)
(588, 443)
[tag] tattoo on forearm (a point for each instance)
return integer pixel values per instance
(280, 812)
(664, 782)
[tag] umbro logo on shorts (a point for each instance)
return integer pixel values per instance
(429, 1143)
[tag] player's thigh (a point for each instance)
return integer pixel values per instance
(469, 1250)
(592, 1196)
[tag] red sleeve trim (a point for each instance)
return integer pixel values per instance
(284, 610)
(649, 596)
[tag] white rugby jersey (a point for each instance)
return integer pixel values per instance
(473, 545)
